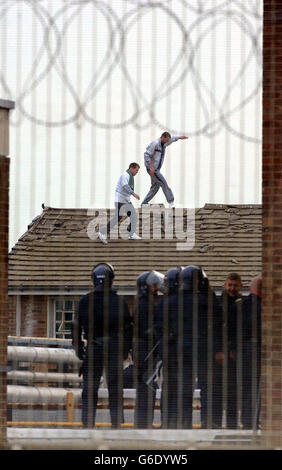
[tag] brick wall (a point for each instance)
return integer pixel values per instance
(34, 315)
(4, 214)
(272, 226)
(12, 314)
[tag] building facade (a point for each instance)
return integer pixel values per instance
(50, 265)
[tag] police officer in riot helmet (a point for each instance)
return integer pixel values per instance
(184, 310)
(166, 330)
(206, 314)
(194, 279)
(145, 347)
(172, 280)
(104, 320)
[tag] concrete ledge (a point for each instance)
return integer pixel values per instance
(7, 104)
(132, 438)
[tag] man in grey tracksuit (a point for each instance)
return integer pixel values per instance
(123, 206)
(154, 157)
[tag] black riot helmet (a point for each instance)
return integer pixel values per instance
(103, 276)
(172, 280)
(148, 279)
(194, 279)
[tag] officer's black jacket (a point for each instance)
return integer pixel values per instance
(144, 313)
(225, 318)
(249, 313)
(191, 317)
(103, 316)
(144, 333)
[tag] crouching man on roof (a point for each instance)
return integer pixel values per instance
(124, 190)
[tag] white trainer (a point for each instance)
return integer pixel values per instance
(102, 237)
(171, 205)
(134, 236)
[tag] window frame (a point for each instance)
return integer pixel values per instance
(51, 324)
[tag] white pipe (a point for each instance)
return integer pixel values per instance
(47, 355)
(27, 376)
(34, 395)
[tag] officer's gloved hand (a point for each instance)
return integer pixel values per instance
(80, 352)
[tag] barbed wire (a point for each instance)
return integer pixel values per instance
(207, 17)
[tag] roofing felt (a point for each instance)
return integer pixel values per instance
(57, 252)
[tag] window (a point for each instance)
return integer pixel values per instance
(64, 310)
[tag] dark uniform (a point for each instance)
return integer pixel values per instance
(145, 350)
(104, 318)
(183, 315)
(225, 374)
(246, 342)
(208, 318)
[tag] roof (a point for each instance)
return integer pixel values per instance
(57, 253)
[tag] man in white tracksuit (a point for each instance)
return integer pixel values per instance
(124, 190)
(154, 157)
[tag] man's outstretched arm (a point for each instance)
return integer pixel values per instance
(175, 138)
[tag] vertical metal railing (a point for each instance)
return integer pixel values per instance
(94, 89)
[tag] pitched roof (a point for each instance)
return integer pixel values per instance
(57, 253)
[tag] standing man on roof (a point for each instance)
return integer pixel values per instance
(154, 157)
